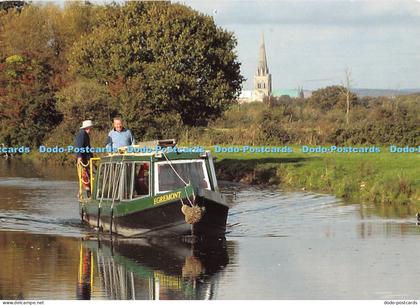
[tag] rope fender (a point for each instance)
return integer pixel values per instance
(193, 213)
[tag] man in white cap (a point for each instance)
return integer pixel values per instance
(83, 141)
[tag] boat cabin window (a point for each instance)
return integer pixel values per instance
(102, 186)
(100, 180)
(127, 181)
(141, 179)
(108, 183)
(133, 181)
(109, 180)
(136, 180)
(193, 171)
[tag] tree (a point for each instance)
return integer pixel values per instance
(47, 32)
(161, 59)
(27, 105)
(272, 124)
(85, 99)
(347, 93)
(6, 5)
(30, 31)
(332, 97)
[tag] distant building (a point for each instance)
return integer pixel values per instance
(262, 77)
(263, 82)
(294, 93)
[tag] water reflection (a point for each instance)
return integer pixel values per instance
(387, 220)
(150, 269)
(39, 266)
(389, 210)
(27, 169)
(31, 264)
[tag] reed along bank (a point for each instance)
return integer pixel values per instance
(383, 177)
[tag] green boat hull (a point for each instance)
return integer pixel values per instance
(159, 215)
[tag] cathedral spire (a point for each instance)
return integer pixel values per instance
(262, 78)
(262, 62)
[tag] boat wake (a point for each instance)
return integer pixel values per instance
(41, 225)
(263, 213)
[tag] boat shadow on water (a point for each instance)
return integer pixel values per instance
(142, 269)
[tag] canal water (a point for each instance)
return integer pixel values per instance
(279, 245)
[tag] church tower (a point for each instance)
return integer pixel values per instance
(262, 78)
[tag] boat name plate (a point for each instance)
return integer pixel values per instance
(167, 197)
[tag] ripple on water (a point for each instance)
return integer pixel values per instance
(41, 224)
(39, 205)
(257, 212)
(29, 183)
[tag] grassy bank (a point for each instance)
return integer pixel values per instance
(378, 178)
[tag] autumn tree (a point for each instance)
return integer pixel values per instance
(47, 32)
(27, 105)
(34, 41)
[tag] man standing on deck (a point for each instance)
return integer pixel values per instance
(83, 143)
(119, 136)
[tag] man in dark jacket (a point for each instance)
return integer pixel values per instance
(83, 142)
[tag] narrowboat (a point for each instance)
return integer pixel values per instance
(154, 189)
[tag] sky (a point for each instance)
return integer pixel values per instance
(313, 43)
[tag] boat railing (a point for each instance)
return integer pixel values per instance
(84, 179)
(92, 176)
